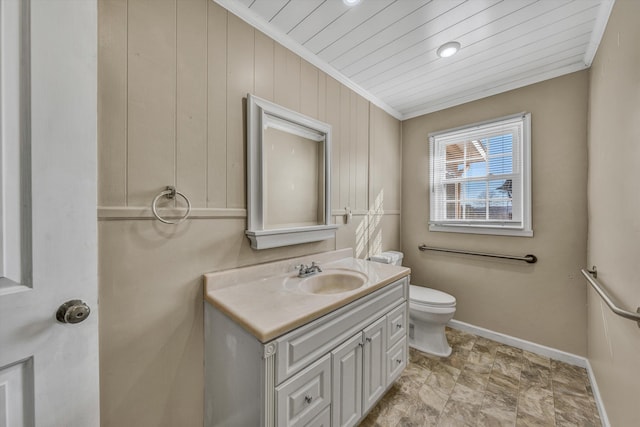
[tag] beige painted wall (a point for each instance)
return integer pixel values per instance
(172, 77)
(614, 227)
(543, 302)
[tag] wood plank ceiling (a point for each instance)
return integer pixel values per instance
(387, 48)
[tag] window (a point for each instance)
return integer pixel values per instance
(480, 178)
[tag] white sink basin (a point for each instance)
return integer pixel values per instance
(333, 282)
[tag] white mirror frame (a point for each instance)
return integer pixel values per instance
(260, 238)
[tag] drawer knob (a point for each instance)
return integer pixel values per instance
(308, 399)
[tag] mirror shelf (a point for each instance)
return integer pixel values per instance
(288, 176)
(266, 239)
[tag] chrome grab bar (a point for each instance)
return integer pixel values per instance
(590, 276)
(530, 259)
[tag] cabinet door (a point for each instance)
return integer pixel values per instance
(375, 361)
(347, 382)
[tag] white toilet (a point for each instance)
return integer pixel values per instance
(429, 312)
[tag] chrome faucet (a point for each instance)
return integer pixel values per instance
(306, 271)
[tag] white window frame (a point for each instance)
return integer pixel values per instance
(522, 169)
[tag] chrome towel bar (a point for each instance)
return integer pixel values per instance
(530, 259)
(590, 276)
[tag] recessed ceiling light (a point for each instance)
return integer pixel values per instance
(448, 49)
(351, 2)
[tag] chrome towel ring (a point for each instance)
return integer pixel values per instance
(170, 192)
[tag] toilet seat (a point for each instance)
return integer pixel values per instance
(427, 297)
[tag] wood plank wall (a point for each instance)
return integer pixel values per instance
(173, 75)
(173, 82)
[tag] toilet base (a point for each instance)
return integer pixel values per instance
(429, 339)
(429, 350)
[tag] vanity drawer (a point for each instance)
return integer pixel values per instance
(396, 360)
(302, 346)
(304, 396)
(323, 419)
(396, 325)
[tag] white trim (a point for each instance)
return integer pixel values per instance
(268, 412)
(342, 212)
(275, 122)
(144, 212)
(542, 350)
(266, 239)
(256, 21)
(259, 113)
(598, 30)
(15, 145)
(496, 231)
(519, 125)
(10, 135)
(597, 397)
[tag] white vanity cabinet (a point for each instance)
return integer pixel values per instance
(328, 372)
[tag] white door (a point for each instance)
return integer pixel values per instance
(374, 381)
(347, 382)
(48, 240)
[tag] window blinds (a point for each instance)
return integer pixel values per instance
(477, 174)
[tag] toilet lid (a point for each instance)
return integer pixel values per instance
(427, 296)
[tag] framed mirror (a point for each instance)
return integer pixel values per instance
(288, 176)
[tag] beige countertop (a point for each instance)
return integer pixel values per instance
(266, 301)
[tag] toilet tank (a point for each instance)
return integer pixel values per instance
(388, 257)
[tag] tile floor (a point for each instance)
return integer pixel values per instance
(485, 383)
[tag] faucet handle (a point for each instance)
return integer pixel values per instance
(301, 267)
(316, 266)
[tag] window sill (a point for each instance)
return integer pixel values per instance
(496, 231)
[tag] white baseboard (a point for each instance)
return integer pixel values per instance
(597, 397)
(553, 353)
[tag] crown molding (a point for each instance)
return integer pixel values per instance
(259, 23)
(598, 30)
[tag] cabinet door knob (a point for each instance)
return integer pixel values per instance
(308, 399)
(367, 339)
(399, 325)
(398, 361)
